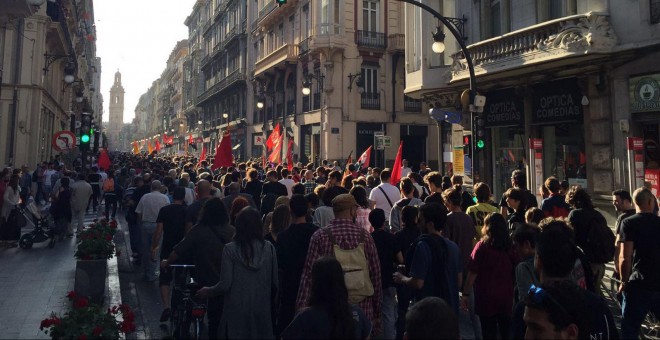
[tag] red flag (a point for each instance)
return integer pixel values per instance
(363, 161)
(203, 156)
(104, 160)
(289, 155)
(263, 158)
(190, 139)
(150, 148)
(348, 161)
(396, 169)
(274, 137)
(276, 154)
(157, 145)
(223, 155)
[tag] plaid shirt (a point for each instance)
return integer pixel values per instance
(310, 186)
(347, 234)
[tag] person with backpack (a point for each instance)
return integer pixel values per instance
(110, 195)
(270, 191)
(407, 198)
(433, 262)
(94, 179)
(355, 249)
(592, 234)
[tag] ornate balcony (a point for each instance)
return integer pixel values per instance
(327, 35)
(284, 54)
(576, 35)
(271, 13)
(235, 76)
(304, 46)
(411, 105)
(370, 101)
(369, 39)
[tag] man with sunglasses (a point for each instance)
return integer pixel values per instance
(554, 261)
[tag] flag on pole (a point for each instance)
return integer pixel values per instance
(276, 154)
(396, 169)
(263, 158)
(150, 148)
(289, 155)
(157, 145)
(348, 161)
(191, 142)
(223, 155)
(364, 160)
(136, 149)
(274, 137)
(203, 156)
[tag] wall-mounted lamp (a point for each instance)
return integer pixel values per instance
(359, 82)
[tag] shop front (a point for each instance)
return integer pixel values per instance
(644, 96)
(310, 139)
(364, 138)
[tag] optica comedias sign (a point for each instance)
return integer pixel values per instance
(557, 101)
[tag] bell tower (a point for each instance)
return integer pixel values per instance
(116, 110)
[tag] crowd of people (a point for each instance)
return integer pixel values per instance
(325, 251)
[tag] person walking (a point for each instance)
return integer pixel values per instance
(110, 188)
(385, 194)
(62, 209)
(94, 179)
(204, 245)
(407, 198)
(81, 191)
(147, 210)
(248, 281)
(10, 199)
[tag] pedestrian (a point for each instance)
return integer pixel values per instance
(534, 216)
(309, 182)
(639, 263)
(170, 230)
(236, 207)
(555, 205)
(431, 318)
(203, 245)
(25, 183)
(407, 198)
(253, 186)
(324, 214)
(518, 181)
(110, 195)
(10, 199)
(147, 210)
(133, 194)
(622, 202)
(279, 222)
(555, 312)
(491, 273)
(466, 199)
(404, 240)
(328, 313)
(293, 244)
(248, 281)
(517, 205)
(360, 195)
(390, 256)
(479, 211)
(385, 194)
(94, 179)
(235, 192)
(203, 194)
(81, 191)
(342, 233)
(434, 181)
(405, 169)
(523, 240)
(61, 209)
(288, 182)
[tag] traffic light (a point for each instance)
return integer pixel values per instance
(97, 139)
(467, 145)
(479, 133)
(281, 2)
(85, 132)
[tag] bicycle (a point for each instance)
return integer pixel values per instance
(187, 313)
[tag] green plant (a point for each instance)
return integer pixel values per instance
(96, 241)
(89, 321)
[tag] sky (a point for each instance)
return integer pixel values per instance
(136, 37)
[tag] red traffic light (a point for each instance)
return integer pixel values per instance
(467, 140)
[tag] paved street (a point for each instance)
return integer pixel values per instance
(34, 282)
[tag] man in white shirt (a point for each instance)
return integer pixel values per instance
(385, 194)
(405, 170)
(288, 182)
(147, 210)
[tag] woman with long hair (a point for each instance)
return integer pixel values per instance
(278, 223)
(328, 315)
(491, 273)
(62, 208)
(248, 281)
(360, 194)
(10, 199)
(236, 206)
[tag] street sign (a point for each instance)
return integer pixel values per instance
(64, 140)
(387, 141)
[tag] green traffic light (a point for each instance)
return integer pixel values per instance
(481, 144)
(84, 138)
(281, 2)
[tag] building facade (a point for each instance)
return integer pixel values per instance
(572, 74)
(41, 47)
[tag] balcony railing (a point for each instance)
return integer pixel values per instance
(370, 101)
(234, 76)
(282, 54)
(556, 39)
(411, 105)
(369, 39)
(304, 46)
(266, 9)
(396, 42)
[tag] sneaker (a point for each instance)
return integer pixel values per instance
(165, 316)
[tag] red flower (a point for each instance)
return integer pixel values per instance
(118, 253)
(55, 321)
(71, 295)
(113, 224)
(81, 303)
(45, 323)
(82, 337)
(97, 331)
(108, 237)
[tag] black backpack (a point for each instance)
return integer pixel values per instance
(440, 260)
(599, 247)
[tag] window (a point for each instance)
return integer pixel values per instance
(370, 98)
(655, 11)
(292, 24)
(280, 36)
(413, 35)
(555, 9)
(304, 23)
(495, 18)
(370, 15)
(330, 16)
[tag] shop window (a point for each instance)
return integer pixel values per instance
(563, 153)
(655, 11)
(509, 153)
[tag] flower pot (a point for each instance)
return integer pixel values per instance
(90, 279)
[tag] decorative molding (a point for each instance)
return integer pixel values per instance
(591, 33)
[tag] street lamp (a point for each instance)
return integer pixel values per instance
(306, 90)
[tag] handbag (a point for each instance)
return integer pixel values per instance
(16, 218)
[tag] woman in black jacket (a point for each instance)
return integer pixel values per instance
(515, 199)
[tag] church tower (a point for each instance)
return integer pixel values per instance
(116, 111)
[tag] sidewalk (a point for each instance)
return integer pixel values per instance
(34, 282)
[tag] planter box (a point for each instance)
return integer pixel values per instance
(90, 279)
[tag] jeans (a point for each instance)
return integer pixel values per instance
(147, 230)
(404, 295)
(598, 270)
(40, 193)
(78, 219)
(47, 190)
(389, 313)
(96, 192)
(637, 302)
(110, 200)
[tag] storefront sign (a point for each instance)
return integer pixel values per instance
(635, 143)
(557, 101)
(536, 144)
(258, 139)
(653, 177)
(504, 108)
(645, 93)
